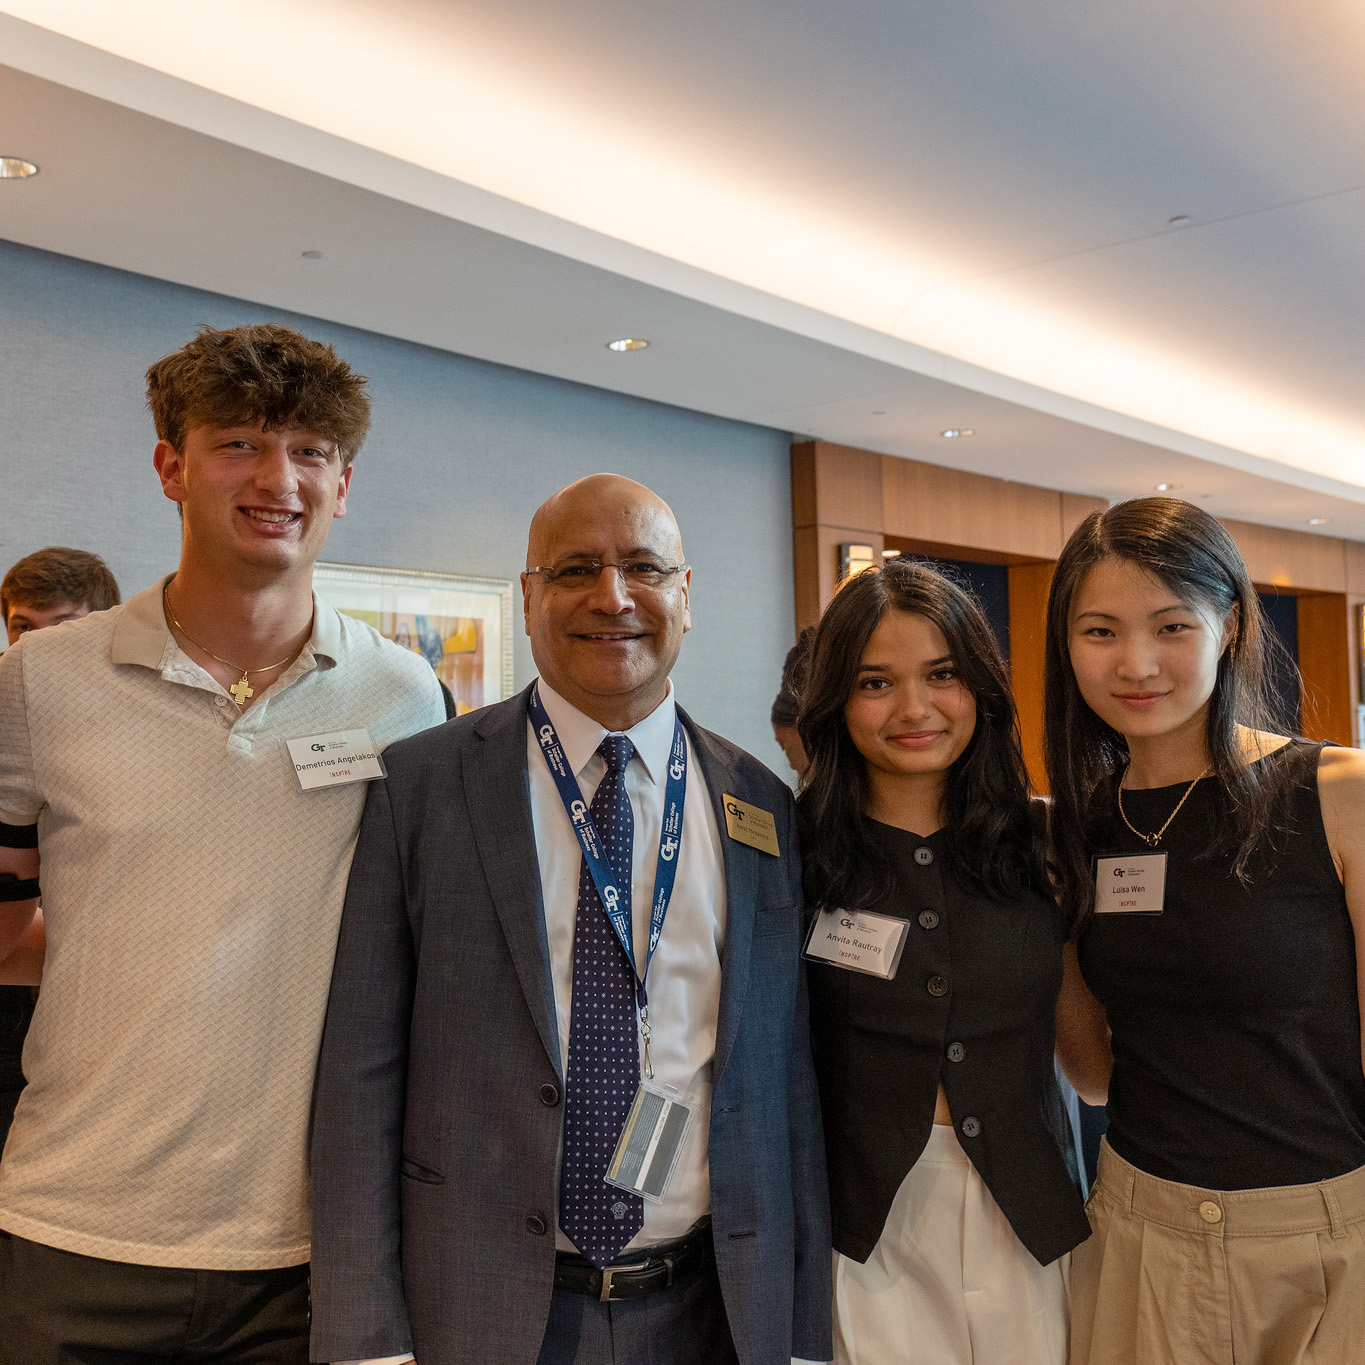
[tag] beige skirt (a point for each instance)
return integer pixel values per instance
(948, 1282)
(1177, 1275)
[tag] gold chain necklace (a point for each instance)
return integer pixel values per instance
(242, 689)
(1152, 840)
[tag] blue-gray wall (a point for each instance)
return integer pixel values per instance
(461, 454)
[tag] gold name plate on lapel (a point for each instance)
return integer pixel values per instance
(751, 825)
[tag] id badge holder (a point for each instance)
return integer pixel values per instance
(857, 941)
(655, 1132)
(1130, 884)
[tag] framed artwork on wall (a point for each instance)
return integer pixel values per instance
(461, 625)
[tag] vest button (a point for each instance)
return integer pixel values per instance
(536, 1223)
(924, 856)
(1210, 1212)
(971, 1127)
(956, 1052)
(937, 985)
(549, 1094)
(928, 919)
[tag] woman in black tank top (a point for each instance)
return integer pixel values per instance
(1214, 873)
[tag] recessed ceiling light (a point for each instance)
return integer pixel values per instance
(627, 344)
(1180, 220)
(1317, 521)
(890, 554)
(953, 432)
(16, 168)
(312, 254)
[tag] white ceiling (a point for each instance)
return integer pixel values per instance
(866, 222)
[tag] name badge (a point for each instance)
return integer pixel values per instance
(648, 1149)
(750, 825)
(1134, 884)
(858, 941)
(334, 759)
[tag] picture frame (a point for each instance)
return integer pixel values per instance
(461, 624)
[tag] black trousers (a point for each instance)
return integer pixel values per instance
(58, 1308)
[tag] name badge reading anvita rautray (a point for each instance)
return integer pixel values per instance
(334, 759)
(858, 941)
(1134, 884)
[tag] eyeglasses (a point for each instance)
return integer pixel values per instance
(581, 574)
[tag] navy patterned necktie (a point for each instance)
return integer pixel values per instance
(604, 1051)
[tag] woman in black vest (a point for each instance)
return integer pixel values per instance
(1214, 869)
(953, 1206)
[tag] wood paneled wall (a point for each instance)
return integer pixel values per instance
(841, 494)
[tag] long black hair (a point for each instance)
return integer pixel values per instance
(994, 846)
(1194, 556)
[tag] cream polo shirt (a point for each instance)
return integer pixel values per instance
(192, 894)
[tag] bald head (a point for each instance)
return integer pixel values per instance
(606, 638)
(603, 496)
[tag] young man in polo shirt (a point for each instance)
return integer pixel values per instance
(153, 1194)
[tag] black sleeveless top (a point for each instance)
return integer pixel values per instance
(972, 1005)
(1236, 1027)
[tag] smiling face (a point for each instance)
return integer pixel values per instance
(254, 501)
(1145, 661)
(604, 644)
(910, 715)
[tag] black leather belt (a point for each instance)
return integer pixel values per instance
(651, 1269)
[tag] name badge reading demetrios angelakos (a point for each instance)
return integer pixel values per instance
(857, 941)
(334, 759)
(1134, 884)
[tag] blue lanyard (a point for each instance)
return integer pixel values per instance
(604, 879)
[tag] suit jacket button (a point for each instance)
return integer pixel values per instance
(956, 1052)
(549, 1094)
(971, 1127)
(536, 1223)
(924, 856)
(928, 919)
(937, 985)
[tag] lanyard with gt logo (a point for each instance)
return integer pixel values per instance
(604, 879)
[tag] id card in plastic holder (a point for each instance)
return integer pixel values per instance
(857, 941)
(1131, 884)
(655, 1130)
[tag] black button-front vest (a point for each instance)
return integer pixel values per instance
(972, 1005)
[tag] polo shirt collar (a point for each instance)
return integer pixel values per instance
(141, 635)
(580, 735)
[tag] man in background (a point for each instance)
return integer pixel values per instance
(43, 589)
(189, 770)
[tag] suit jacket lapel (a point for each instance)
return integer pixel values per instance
(499, 808)
(741, 882)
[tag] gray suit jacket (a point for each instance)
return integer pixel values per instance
(438, 1110)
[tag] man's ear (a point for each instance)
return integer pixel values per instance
(170, 468)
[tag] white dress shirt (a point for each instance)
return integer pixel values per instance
(684, 976)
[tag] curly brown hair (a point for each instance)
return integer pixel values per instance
(259, 373)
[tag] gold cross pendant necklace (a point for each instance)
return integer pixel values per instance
(1152, 840)
(242, 689)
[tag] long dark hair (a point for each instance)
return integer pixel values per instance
(993, 846)
(1194, 556)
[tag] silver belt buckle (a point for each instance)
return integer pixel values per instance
(610, 1272)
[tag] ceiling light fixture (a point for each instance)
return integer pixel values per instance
(16, 168)
(627, 344)
(954, 432)
(890, 554)
(1317, 521)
